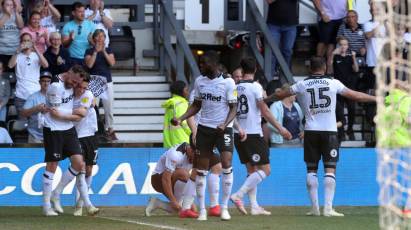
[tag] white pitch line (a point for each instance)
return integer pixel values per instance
(143, 223)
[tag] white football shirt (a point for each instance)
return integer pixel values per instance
(172, 160)
(99, 23)
(248, 112)
(215, 95)
(317, 96)
(59, 97)
(87, 126)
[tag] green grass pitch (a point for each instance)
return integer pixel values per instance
(117, 218)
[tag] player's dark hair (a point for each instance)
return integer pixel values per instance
(212, 56)
(177, 88)
(317, 63)
(77, 5)
(248, 65)
(78, 69)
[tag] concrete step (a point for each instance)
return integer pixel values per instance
(130, 120)
(138, 79)
(138, 127)
(161, 87)
(141, 95)
(353, 144)
(140, 137)
(138, 103)
(133, 111)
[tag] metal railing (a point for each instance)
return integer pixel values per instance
(172, 57)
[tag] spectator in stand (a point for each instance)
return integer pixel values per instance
(4, 96)
(100, 17)
(332, 13)
(99, 59)
(77, 34)
(35, 107)
(237, 75)
(5, 136)
(289, 114)
(38, 34)
(10, 24)
(57, 56)
(282, 21)
(49, 15)
(354, 33)
(27, 61)
(345, 69)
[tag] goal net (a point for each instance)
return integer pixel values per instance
(393, 112)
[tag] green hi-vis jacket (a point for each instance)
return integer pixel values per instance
(393, 127)
(173, 135)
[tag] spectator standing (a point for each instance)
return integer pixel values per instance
(237, 75)
(27, 61)
(4, 95)
(49, 15)
(176, 106)
(331, 13)
(282, 21)
(35, 107)
(289, 114)
(57, 56)
(345, 69)
(38, 34)
(354, 33)
(99, 59)
(100, 17)
(5, 136)
(10, 24)
(77, 34)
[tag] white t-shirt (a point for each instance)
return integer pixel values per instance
(61, 98)
(215, 95)
(27, 74)
(49, 24)
(248, 112)
(374, 44)
(172, 160)
(5, 136)
(87, 126)
(317, 95)
(99, 24)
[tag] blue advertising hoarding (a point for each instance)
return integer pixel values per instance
(122, 177)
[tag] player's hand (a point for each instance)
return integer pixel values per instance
(221, 129)
(325, 18)
(54, 112)
(101, 8)
(242, 134)
(286, 134)
(99, 47)
(175, 205)
(337, 51)
(175, 121)
(41, 108)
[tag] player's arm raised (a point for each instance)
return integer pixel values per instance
(358, 96)
(266, 113)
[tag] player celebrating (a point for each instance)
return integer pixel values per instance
(169, 177)
(251, 147)
(61, 141)
(318, 98)
(217, 99)
(86, 129)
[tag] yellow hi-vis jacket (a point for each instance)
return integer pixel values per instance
(173, 135)
(393, 130)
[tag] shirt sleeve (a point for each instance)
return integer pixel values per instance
(231, 90)
(197, 95)
(29, 102)
(65, 31)
(107, 13)
(340, 87)
(297, 88)
(368, 26)
(258, 92)
(86, 100)
(171, 161)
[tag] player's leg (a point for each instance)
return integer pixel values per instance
(213, 181)
(179, 180)
(48, 177)
(189, 194)
(312, 156)
(330, 159)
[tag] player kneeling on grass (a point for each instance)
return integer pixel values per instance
(251, 147)
(170, 176)
(86, 129)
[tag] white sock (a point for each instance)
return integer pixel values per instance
(329, 190)
(163, 205)
(227, 183)
(200, 187)
(83, 189)
(252, 181)
(179, 190)
(312, 187)
(252, 196)
(47, 188)
(67, 177)
(213, 182)
(89, 179)
(189, 194)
